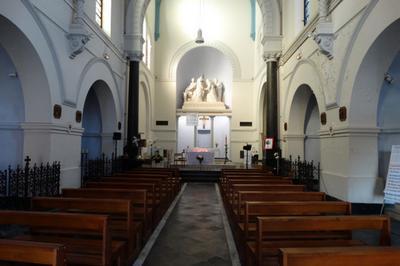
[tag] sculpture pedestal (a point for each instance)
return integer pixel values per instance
(216, 107)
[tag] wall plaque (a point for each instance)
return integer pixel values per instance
(57, 111)
(342, 113)
(323, 118)
(78, 116)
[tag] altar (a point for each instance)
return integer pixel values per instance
(207, 154)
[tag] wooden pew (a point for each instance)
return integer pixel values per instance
(233, 195)
(141, 211)
(288, 208)
(228, 187)
(172, 172)
(157, 201)
(224, 178)
(82, 247)
(31, 252)
(274, 233)
(244, 196)
(341, 256)
(245, 228)
(122, 224)
(162, 184)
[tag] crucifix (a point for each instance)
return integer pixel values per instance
(204, 119)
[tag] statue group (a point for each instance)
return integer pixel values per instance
(204, 90)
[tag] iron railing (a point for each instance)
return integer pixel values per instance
(303, 172)
(18, 185)
(93, 169)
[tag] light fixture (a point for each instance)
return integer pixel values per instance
(106, 56)
(388, 78)
(199, 38)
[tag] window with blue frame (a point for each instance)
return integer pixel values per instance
(306, 11)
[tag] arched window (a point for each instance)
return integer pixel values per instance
(103, 15)
(146, 45)
(307, 10)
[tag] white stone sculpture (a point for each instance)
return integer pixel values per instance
(204, 95)
(204, 90)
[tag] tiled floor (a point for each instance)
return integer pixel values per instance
(194, 233)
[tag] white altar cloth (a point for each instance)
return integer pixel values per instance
(208, 157)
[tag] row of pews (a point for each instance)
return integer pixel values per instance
(275, 222)
(107, 222)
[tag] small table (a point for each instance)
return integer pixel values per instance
(208, 157)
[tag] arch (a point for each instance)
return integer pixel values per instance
(388, 118)
(31, 73)
(271, 12)
(305, 72)
(370, 55)
(220, 46)
(101, 106)
(261, 112)
(211, 63)
(312, 143)
(12, 113)
(92, 124)
(146, 107)
(95, 68)
(303, 122)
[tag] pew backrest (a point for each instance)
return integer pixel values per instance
(343, 256)
(32, 252)
(244, 196)
(120, 210)
(268, 227)
(291, 208)
(82, 223)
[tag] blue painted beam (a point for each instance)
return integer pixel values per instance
(157, 22)
(253, 20)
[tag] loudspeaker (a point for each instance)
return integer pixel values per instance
(117, 136)
(241, 154)
(247, 147)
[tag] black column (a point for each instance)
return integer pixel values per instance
(272, 109)
(133, 108)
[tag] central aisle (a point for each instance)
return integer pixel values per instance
(194, 233)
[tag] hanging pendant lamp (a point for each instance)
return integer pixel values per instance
(199, 38)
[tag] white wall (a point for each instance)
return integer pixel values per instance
(312, 147)
(389, 117)
(179, 25)
(12, 113)
(363, 51)
(37, 30)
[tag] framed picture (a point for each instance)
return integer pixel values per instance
(269, 143)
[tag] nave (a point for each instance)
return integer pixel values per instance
(194, 233)
(146, 216)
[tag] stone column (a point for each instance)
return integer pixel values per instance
(133, 104)
(212, 131)
(323, 8)
(271, 99)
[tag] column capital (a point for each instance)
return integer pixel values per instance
(134, 46)
(271, 56)
(78, 35)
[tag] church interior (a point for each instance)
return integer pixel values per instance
(199, 132)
